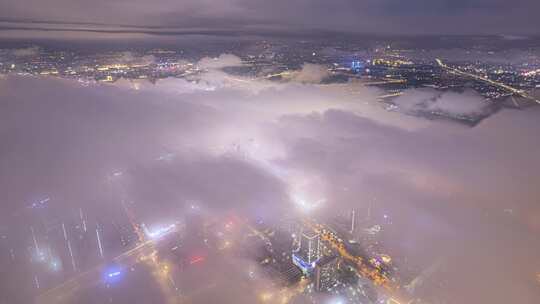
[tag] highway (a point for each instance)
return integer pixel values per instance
(487, 80)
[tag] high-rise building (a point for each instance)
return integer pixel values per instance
(353, 221)
(310, 246)
(308, 251)
(326, 273)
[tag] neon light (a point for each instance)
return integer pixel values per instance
(196, 260)
(304, 266)
(114, 274)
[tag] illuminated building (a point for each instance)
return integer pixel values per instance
(353, 220)
(357, 66)
(303, 265)
(326, 273)
(308, 252)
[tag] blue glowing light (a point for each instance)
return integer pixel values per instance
(55, 265)
(303, 265)
(357, 65)
(112, 275)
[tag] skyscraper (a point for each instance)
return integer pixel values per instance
(310, 246)
(353, 221)
(309, 250)
(326, 273)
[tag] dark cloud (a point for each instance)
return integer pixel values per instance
(387, 16)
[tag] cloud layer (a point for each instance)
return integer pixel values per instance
(264, 148)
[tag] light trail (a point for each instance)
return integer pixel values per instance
(501, 85)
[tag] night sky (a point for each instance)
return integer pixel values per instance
(367, 16)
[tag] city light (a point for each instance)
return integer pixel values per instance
(113, 274)
(326, 169)
(55, 265)
(40, 203)
(306, 205)
(357, 66)
(159, 232)
(266, 296)
(196, 260)
(336, 301)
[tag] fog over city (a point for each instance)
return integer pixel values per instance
(269, 152)
(466, 195)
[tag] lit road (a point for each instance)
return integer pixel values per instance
(290, 74)
(92, 277)
(386, 81)
(487, 80)
(363, 268)
(144, 252)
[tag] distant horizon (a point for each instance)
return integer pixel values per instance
(7, 24)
